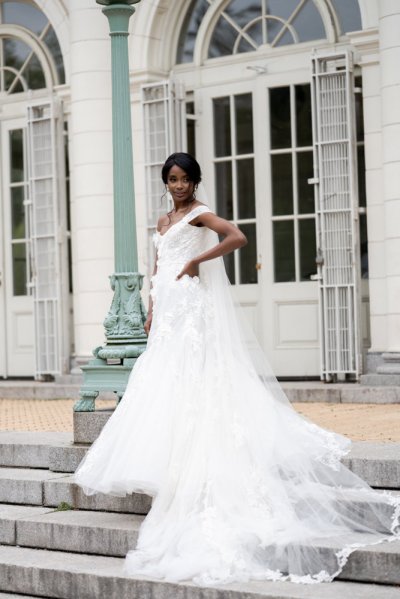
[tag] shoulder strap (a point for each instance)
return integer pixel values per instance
(196, 211)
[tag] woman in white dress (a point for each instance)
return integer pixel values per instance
(243, 486)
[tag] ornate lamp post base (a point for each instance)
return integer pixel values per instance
(126, 341)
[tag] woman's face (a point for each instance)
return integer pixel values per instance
(180, 186)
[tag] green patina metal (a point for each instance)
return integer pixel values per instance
(125, 336)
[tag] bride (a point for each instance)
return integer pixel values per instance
(243, 486)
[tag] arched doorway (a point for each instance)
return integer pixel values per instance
(32, 193)
(246, 71)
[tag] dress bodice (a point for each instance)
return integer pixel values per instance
(182, 241)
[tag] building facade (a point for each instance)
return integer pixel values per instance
(292, 108)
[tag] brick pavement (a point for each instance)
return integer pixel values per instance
(360, 422)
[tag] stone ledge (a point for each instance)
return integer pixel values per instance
(69, 576)
(88, 425)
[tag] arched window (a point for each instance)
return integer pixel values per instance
(29, 49)
(246, 25)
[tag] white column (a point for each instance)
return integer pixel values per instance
(389, 27)
(366, 43)
(91, 173)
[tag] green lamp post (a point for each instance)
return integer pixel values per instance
(125, 335)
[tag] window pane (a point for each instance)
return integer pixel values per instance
(285, 40)
(308, 23)
(307, 249)
(362, 196)
(15, 55)
(244, 46)
(349, 15)
(364, 246)
(17, 212)
(284, 264)
(244, 124)
(52, 43)
(24, 14)
(15, 52)
(191, 24)
(243, 11)
(245, 188)
(305, 190)
(303, 115)
(282, 187)
(256, 33)
(19, 268)
(248, 255)
(222, 126)
(190, 130)
(223, 189)
(281, 9)
(17, 155)
(279, 102)
(223, 39)
(359, 112)
(33, 74)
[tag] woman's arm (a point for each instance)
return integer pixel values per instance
(147, 324)
(233, 239)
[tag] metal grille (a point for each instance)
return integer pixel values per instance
(46, 221)
(163, 116)
(337, 214)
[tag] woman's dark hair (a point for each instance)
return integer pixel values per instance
(186, 162)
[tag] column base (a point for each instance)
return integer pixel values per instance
(383, 369)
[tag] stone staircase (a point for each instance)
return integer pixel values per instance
(47, 551)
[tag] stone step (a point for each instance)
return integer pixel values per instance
(25, 485)
(368, 392)
(64, 489)
(71, 576)
(10, 389)
(31, 449)
(377, 463)
(10, 514)
(375, 388)
(43, 487)
(50, 489)
(78, 531)
(82, 531)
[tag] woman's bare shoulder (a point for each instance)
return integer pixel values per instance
(163, 220)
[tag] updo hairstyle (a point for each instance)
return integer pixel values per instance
(186, 162)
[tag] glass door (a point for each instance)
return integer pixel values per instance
(291, 298)
(18, 326)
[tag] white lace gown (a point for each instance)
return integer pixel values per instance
(243, 486)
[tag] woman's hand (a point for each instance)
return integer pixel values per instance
(191, 268)
(147, 324)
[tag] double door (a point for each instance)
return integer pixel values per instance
(255, 144)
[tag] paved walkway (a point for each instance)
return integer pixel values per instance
(360, 422)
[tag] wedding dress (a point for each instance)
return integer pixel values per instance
(243, 486)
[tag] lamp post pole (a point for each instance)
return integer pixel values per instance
(125, 335)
